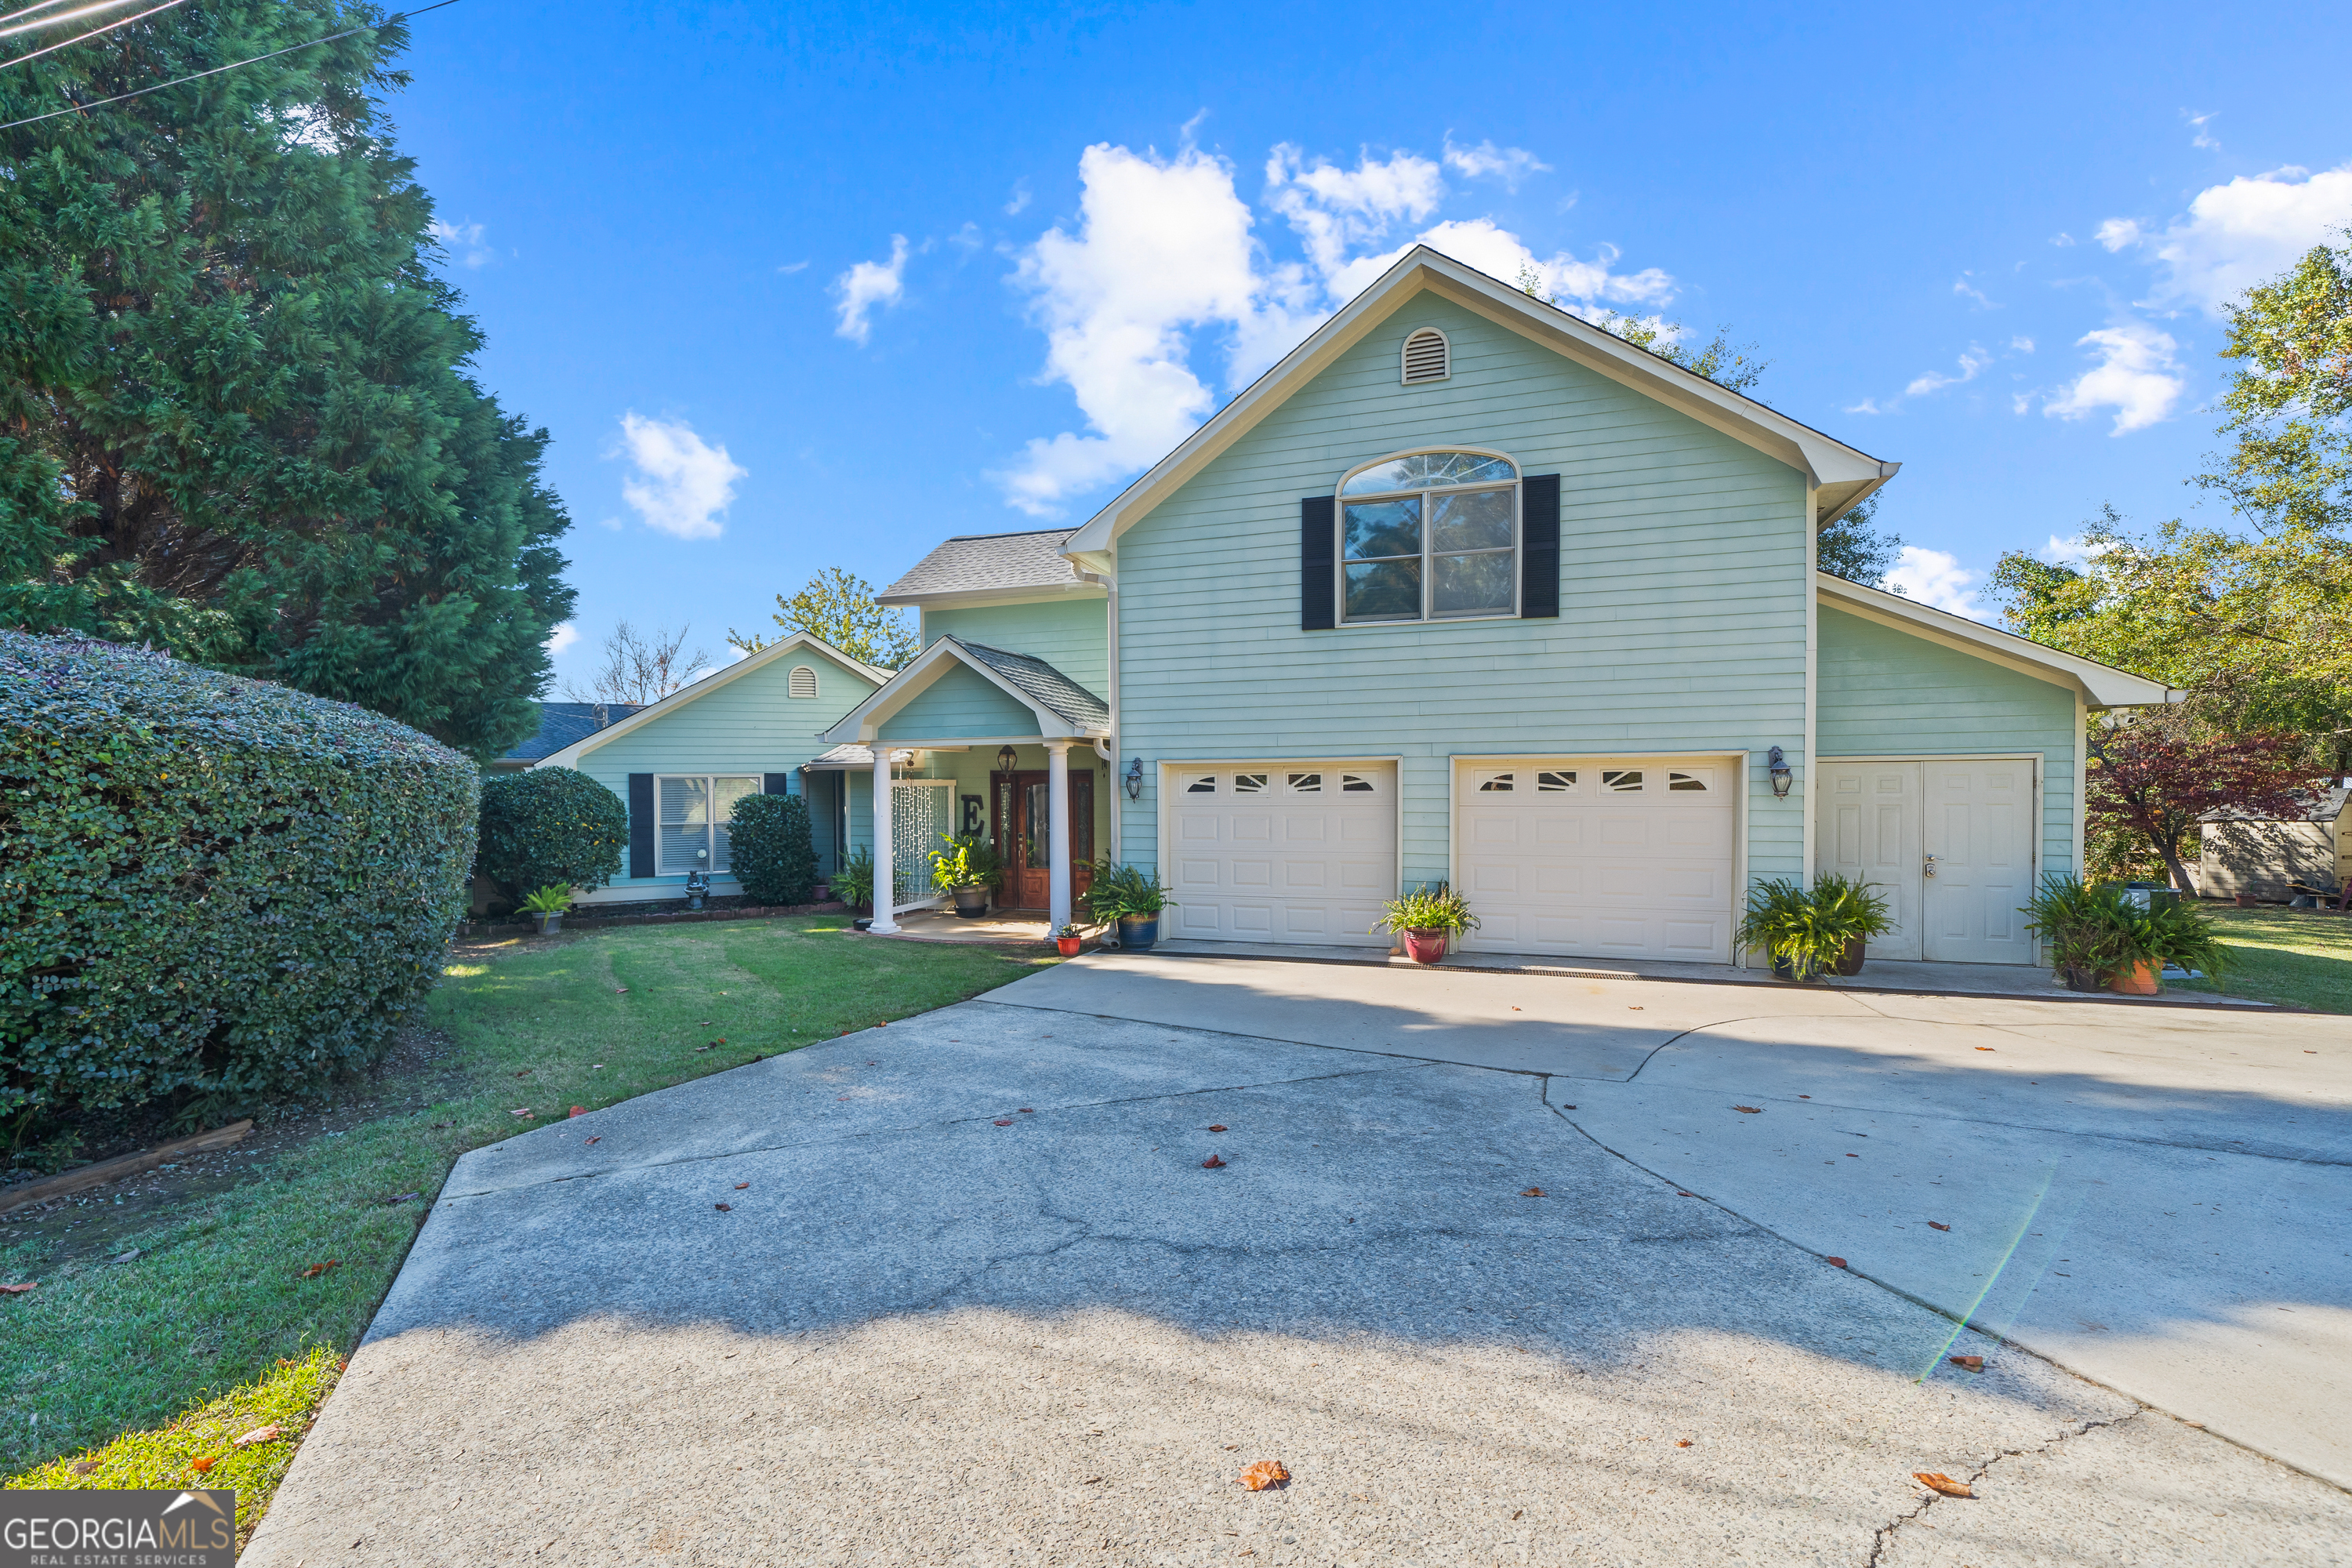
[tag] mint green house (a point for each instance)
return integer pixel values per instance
(1468, 590)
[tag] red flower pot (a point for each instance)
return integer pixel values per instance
(1425, 945)
(1069, 945)
(2140, 980)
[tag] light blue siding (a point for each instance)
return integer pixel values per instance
(1885, 693)
(1685, 582)
(748, 726)
(1072, 633)
(959, 705)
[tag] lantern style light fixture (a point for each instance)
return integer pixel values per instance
(1005, 758)
(1135, 778)
(1777, 762)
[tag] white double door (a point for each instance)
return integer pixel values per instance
(1949, 841)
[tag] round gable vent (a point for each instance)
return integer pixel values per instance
(1427, 357)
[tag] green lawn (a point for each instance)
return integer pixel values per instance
(2299, 957)
(215, 1299)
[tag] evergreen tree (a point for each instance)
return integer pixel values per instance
(236, 418)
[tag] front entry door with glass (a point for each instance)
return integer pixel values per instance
(1025, 836)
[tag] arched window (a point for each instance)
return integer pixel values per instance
(1430, 536)
(803, 682)
(1427, 357)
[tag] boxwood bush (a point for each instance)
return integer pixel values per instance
(209, 885)
(770, 850)
(550, 827)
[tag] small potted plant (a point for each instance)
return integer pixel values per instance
(1855, 908)
(968, 871)
(546, 908)
(1130, 899)
(1797, 932)
(1428, 919)
(853, 885)
(1066, 941)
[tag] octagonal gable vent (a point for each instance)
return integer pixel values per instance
(1427, 357)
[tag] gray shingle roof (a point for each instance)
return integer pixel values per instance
(560, 723)
(1041, 683)
(979, 562)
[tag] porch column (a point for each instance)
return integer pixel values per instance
(885, 877)
(1057, 806)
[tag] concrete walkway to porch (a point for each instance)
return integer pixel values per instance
(995, 926)
(1889, 976)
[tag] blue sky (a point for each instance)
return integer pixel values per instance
(796, 287)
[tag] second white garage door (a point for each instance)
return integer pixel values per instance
(1286, 852)
(1628, 859)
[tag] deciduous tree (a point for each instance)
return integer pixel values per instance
(2159, 776)
(839, 606)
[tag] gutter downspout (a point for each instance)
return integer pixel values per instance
(1117, 813)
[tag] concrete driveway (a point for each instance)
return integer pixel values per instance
(974, 1297)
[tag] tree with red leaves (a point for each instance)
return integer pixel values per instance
(2162, 776)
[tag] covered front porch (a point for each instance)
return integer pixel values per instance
(981, 742)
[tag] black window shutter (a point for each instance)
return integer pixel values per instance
(641, 825)
(1539, 562)
(1316, 526)
(777, 784)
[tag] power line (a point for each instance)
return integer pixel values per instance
(94, 32)
(53, 21)
(198, 76)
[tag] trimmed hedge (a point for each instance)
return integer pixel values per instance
(209, 884)
(770, 850)
(550, 827)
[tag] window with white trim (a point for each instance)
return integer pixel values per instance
(1429, 536)
(691, 812)
(801, 682)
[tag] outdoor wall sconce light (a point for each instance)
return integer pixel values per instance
(1135, 778)
(1005, 758)
(1777, 761)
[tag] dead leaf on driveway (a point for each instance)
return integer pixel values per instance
(1937, 1481)
(1216, 1126)
(1984, 1048)
(1938, 1224)
(723, 1208)
(1533, 1193)
(1968, 1362)
(1749, 1109)
(1834, 1262)
(1265, 1473)
(742, 1186)
(1213, 1163)
(598, 1138)
(1004, 1122)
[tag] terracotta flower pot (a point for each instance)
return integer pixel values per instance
(2137, 980)
(1424, 944)
(1069, 945)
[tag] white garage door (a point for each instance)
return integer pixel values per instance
(1625, 858)
(1293, 852)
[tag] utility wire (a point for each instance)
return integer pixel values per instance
(60, 16)
(94, 32)
(36, 6)
(198, 76)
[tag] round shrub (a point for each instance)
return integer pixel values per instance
(770, 849)
(551, 827)
(209, 884)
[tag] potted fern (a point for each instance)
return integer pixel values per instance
(968, 871)
(1852, 906)
(546, 908)
(2098, 938)
(853, 885)
(1805, 932)
(1132, 900)
(1427, 919)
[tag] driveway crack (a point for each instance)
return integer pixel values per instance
(1884, 1537)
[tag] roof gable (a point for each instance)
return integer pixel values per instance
(1057, 706)
(685, 696)
(2102, 685)
(1843, 475)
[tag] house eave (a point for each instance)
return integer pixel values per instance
(2100, 685)
(569, 757)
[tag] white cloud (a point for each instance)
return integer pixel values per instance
(682, 482)
(868, 285)
(2062, 239)
(463, 241)
(1971, 362)
(1499, 253)
(1936, 577)
(2074, 552)
(1867, 406)
(2022, 345)
(2203, 137)
(1509, 165)
(561, 638)
(2241, 234)
(1020, 198)
(1162, 246)
(612, 523)
(1335, 210)
(1962, 287)
(2137, 376)
(792, 267)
